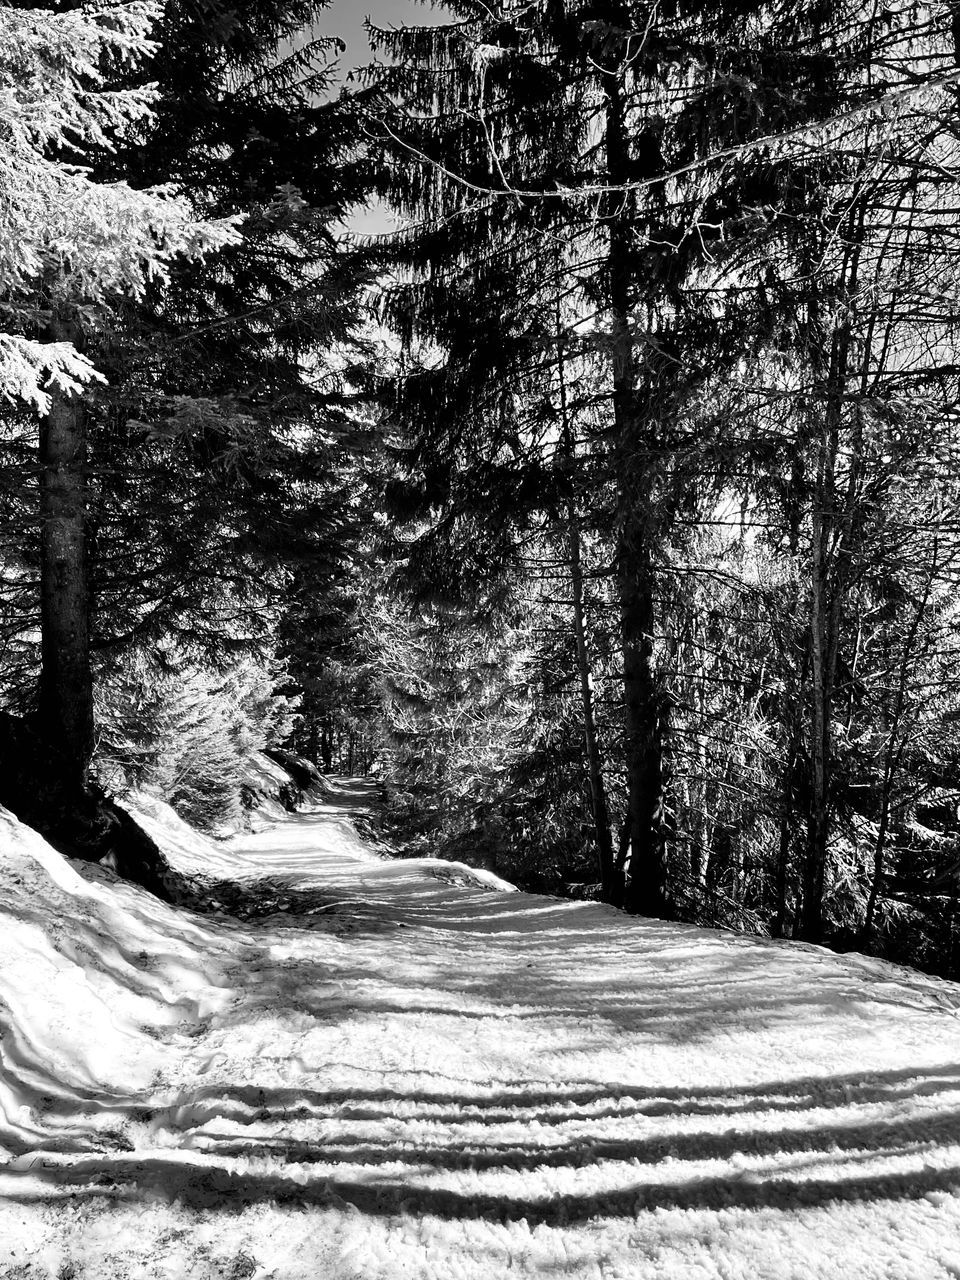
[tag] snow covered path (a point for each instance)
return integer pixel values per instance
(422, 1075)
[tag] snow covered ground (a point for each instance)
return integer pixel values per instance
(416, 1073)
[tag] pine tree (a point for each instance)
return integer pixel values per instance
(538, 164)
(208, 465)
(232, 387)
(73, 246)
(582, 152)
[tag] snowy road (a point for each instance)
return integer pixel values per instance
(426, 1078)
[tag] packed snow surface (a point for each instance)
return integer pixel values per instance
(408, 1071)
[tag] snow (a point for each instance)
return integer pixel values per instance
(185, 848)
(265, 779)
(420, 1073)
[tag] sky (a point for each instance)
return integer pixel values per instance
(345, 18)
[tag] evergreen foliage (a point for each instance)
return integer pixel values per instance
(213, 450)
(187, 733)
(172, 505)
(66, 238)
(641, 585)
(680, 282)
(208, 465)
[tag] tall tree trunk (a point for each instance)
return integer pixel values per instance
(832, 529)
(810, 922)
(611, 872)
(778, 927)
(643, 729)
(646, 889)
(788, 817)
(66, 684)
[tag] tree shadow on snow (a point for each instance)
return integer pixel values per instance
(199, 1186)
(640, 995)
(397, 1174)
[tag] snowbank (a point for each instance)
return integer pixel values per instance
(267, 792)
(94, 973)
(185, 849)
(276, 783)
(462, 874)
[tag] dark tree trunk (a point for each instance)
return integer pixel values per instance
(643, 737)
(831, 549)
(833, 521)
(611, 871)
(65, 710)
(788, 821)
(45, 775)
(810, 921)
(646, 888)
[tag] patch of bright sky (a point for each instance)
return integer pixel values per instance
(346, 18)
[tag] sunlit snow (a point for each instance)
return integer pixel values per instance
(412, 1071)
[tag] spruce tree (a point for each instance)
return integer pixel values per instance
(75, 247)
(232, 388)
(207, 465)
(533, 151)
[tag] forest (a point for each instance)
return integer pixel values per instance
(606, 511)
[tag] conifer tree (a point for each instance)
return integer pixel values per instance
(231, 387)
(537, 160)
(207, 464)
(587, 152)
(73, 246)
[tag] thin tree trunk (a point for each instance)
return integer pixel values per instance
(778, 927)
(810, 922)
(646, 889)
(700, 819)
(611, 873)
(831, 551)
(66, 684)
(831, 548)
